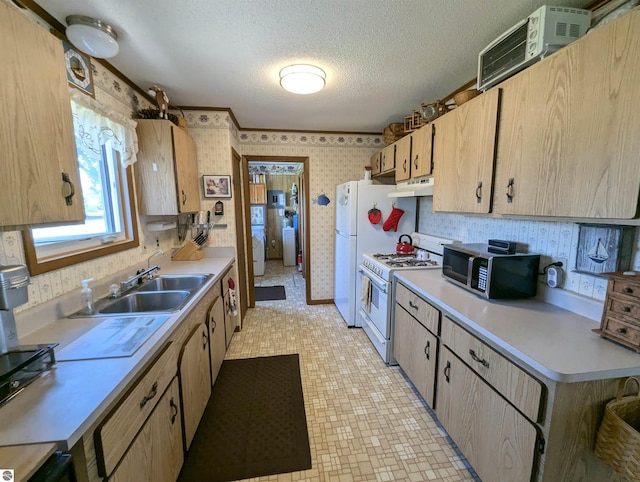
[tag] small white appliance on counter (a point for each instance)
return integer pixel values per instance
(356, 235)
(375, 313)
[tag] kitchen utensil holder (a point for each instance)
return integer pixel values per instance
(189, 252)
(618, 439)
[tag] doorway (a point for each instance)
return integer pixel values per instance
(276, 210)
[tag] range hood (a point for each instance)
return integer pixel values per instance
(422, 186)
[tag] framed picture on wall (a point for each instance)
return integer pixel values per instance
(216, 186)
(79, 71)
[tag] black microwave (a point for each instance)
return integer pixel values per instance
(491, 275)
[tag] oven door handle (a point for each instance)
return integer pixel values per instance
(381, 284)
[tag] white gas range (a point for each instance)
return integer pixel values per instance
(375, 313)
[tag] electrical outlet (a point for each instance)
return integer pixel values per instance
(564, 261)
(157, 242)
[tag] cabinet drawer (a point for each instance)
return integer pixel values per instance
(517, 386)
(626, 332)
(418, 308)
(626, 288)
(114, 436)
(623, 305)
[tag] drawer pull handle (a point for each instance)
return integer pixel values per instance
(628, 290)
(475, 357)
(205, 340)
(622, 331)
(427, 350)
(184, 198)
(509, 191)
(626, 309)
(174, 410)
(412, 305)
(479, 192)
(152, 393)
(447, 372)
(72, 190)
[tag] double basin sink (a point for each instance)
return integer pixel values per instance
(163, 294)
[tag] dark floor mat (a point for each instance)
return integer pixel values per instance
(254, 423)
(269, 293)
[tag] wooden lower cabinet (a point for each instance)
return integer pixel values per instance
(415, 349)
(156, 452)
(217, 336)
(195, 380)
(499, 442)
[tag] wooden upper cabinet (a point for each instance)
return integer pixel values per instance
(36, 127)
(569, 142)
(258, 193)
(403, 158)
(421, 151)
(375, 163)
(167, 170)
(388, 160)
(463, 155)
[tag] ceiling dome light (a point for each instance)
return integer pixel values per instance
(92, 36)
(302, 79)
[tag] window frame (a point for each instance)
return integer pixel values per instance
(132, 240)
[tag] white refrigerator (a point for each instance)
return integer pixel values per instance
(356, 235)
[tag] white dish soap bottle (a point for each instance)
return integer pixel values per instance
(87, 297)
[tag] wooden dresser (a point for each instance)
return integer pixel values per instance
(621, 313)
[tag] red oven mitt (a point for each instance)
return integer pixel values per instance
(392, 221)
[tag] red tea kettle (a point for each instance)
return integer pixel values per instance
(403, 248)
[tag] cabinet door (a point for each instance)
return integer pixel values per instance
(156, 452)
(257, 193)
(186, 165)
(217, 345)
(388, 161)
(421, 151)
(36, 128)
(497, 440)
(569, 143)
(463, 156)
(403, 158)
(375, 163)
(415, 350)
(195, 380)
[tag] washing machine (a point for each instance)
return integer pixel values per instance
(259, 246)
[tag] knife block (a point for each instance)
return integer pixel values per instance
(189, 252)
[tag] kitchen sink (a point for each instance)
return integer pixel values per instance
(174, 282)
(147, 302)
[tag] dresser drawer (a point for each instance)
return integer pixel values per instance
(623, 331)
(115, 435)
(625, 287)
(623, 305)
(513, 383)
(422, 311)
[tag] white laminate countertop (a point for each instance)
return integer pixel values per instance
(61, 405)
(557, 343)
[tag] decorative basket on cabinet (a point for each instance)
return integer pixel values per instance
(618, 439)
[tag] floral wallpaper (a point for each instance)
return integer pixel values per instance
(551, 239)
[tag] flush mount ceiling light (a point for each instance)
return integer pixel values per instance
(92, 36)
(302, 79)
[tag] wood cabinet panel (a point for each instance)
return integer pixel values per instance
(421, 151)
(166, 171)
(517, 386)
(568, 143)
(195, 380)
(217, 344)
(415, 349)
(114, 436)
(257, 193)
(403, 158)
(376, 163)
(156, 453)
(463, 155)
(418, 308)
(388, 158)
(497, 440)
(36, 127)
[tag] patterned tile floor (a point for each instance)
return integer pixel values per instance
(366, 421)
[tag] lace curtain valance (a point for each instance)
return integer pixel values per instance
(95, 124)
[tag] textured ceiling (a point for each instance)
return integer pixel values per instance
(383, 58)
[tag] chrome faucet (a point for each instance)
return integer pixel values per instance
(131, 282)
(155, 253)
